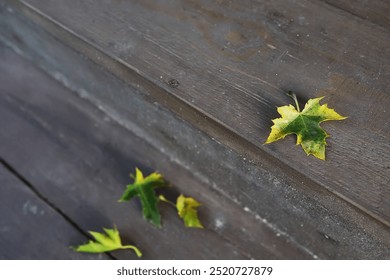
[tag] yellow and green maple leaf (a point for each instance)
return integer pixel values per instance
(143, 187)
(305, 124)
(107, 242)
(187, 210)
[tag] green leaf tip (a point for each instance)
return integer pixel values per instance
(306, 125)
(105, 242)
(187, 210)
(143, 187)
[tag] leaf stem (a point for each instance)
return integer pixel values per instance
(135, 249)
(294, 97)
(164, 199)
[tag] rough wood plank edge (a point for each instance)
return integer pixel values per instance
(304, 191)
(356, 10)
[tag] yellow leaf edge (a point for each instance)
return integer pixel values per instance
(290, 109)
(110, 233)
(182, 204)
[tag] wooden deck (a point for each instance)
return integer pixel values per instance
(92, 89)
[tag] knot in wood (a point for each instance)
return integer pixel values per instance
(173, 83)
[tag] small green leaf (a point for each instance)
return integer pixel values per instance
(144, 189)
(105, 243)
(186, 208)
(305, 124)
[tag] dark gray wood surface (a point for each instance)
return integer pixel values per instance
(30, 228)
(376, 12)
(79, 159)
(255, 203)
(234, 61)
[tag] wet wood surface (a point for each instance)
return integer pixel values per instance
(222, 67)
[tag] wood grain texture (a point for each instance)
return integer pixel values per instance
(80, 160)
(30, 228)
(253, 189)
(234, 60)
(376, 12)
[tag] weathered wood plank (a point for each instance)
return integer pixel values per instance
(269, 192)
(79, 159)
(233, 61)
(376, 11)
(30, 228)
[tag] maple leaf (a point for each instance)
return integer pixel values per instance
(144, 189)
(105, 243)
(305, 124)
(186, 208)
